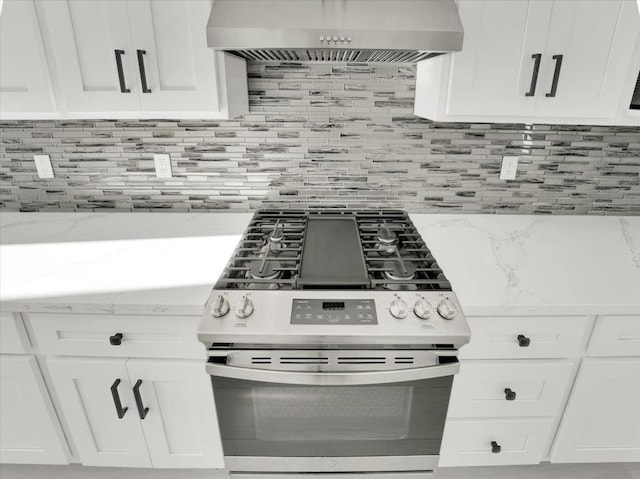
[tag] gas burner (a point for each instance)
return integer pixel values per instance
(398, 270)
(387, 241)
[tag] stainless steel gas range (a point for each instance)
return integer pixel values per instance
(332, 341)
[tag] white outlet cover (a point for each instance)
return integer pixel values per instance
(163, 165)
(43, 166)
(509, 168)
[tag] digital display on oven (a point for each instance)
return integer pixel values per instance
(333, 305)
(330, 311)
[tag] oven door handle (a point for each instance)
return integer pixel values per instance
(333, 379)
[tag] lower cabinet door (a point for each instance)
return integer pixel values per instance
(486, 442)
(602, 420)
(29, 428)
(99, 407)
(177, 413)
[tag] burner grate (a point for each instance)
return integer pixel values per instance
(269, 255)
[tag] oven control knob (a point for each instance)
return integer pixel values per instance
(399, 308)
(219, 307)
(245, 308)
(422, 309)
(447, 309)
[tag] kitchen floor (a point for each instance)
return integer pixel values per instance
(540, 471)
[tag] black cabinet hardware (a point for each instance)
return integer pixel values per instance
(495, 447)
(116, 399)
(556, 75)
(123, 85)
(142, 411)
(143, 74)
(523, 341)
(534, 77)
(116, 339)
(509, 395)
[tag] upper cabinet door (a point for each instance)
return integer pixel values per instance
(172, 56)
(494, 70)
(98, 405)
(25, 84)
(596, 40)
(92, 52)
(30, 433)
(180, 423)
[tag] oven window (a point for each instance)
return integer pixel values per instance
(267, 419)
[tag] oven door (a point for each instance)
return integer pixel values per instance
(292, 421)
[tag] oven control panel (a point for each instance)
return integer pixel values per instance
(334, 311)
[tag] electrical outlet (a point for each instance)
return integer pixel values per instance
(509, 168)
(43, 165)
(163, 165)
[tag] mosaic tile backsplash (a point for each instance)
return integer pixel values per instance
(322, 135)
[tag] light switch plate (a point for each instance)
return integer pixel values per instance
(509, 168)
(163, 165)
(43, 165)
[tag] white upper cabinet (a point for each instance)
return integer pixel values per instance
(91, 46)
(563, 61)
(25, 84)
(29, 429)
(170, 46)
(596, 41)
(116, 59)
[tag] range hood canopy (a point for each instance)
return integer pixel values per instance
(335, 30)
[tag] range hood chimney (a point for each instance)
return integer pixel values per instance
(335, 30)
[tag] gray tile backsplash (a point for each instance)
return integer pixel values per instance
(322, 135)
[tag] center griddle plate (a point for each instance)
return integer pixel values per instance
(332, 254)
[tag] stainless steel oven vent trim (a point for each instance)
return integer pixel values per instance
(330, 360)
(338, 55)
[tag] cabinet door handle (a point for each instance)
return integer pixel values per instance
(534, 77)
(495, 447)
(143, 74)
(556, 75)
(509, 394)
(523, 341)
(116, 399)
(116, 339)
(123, 85)
(142, 411)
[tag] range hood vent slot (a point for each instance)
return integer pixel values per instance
(336, 55)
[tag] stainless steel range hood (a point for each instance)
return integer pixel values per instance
(335, 30)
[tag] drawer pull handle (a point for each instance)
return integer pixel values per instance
(523, 341)
(143, 74)
(142, 411)
(534, 77)
(116, 399)
(495, 447)
(116, 339)
(509, 394)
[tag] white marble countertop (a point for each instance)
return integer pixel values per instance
(168, 262)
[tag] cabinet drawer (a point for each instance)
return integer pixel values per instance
(13, 337)
(525, 337)
(469, 442)
(615, 336)
(142, 336)
(509, 388)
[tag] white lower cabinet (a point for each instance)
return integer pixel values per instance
(484, 442)
(602, 420)
(181, 426)
(29, 429)
(138, 413)
(88, 390)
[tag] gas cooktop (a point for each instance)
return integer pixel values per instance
(334, 278)
(344, 249)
